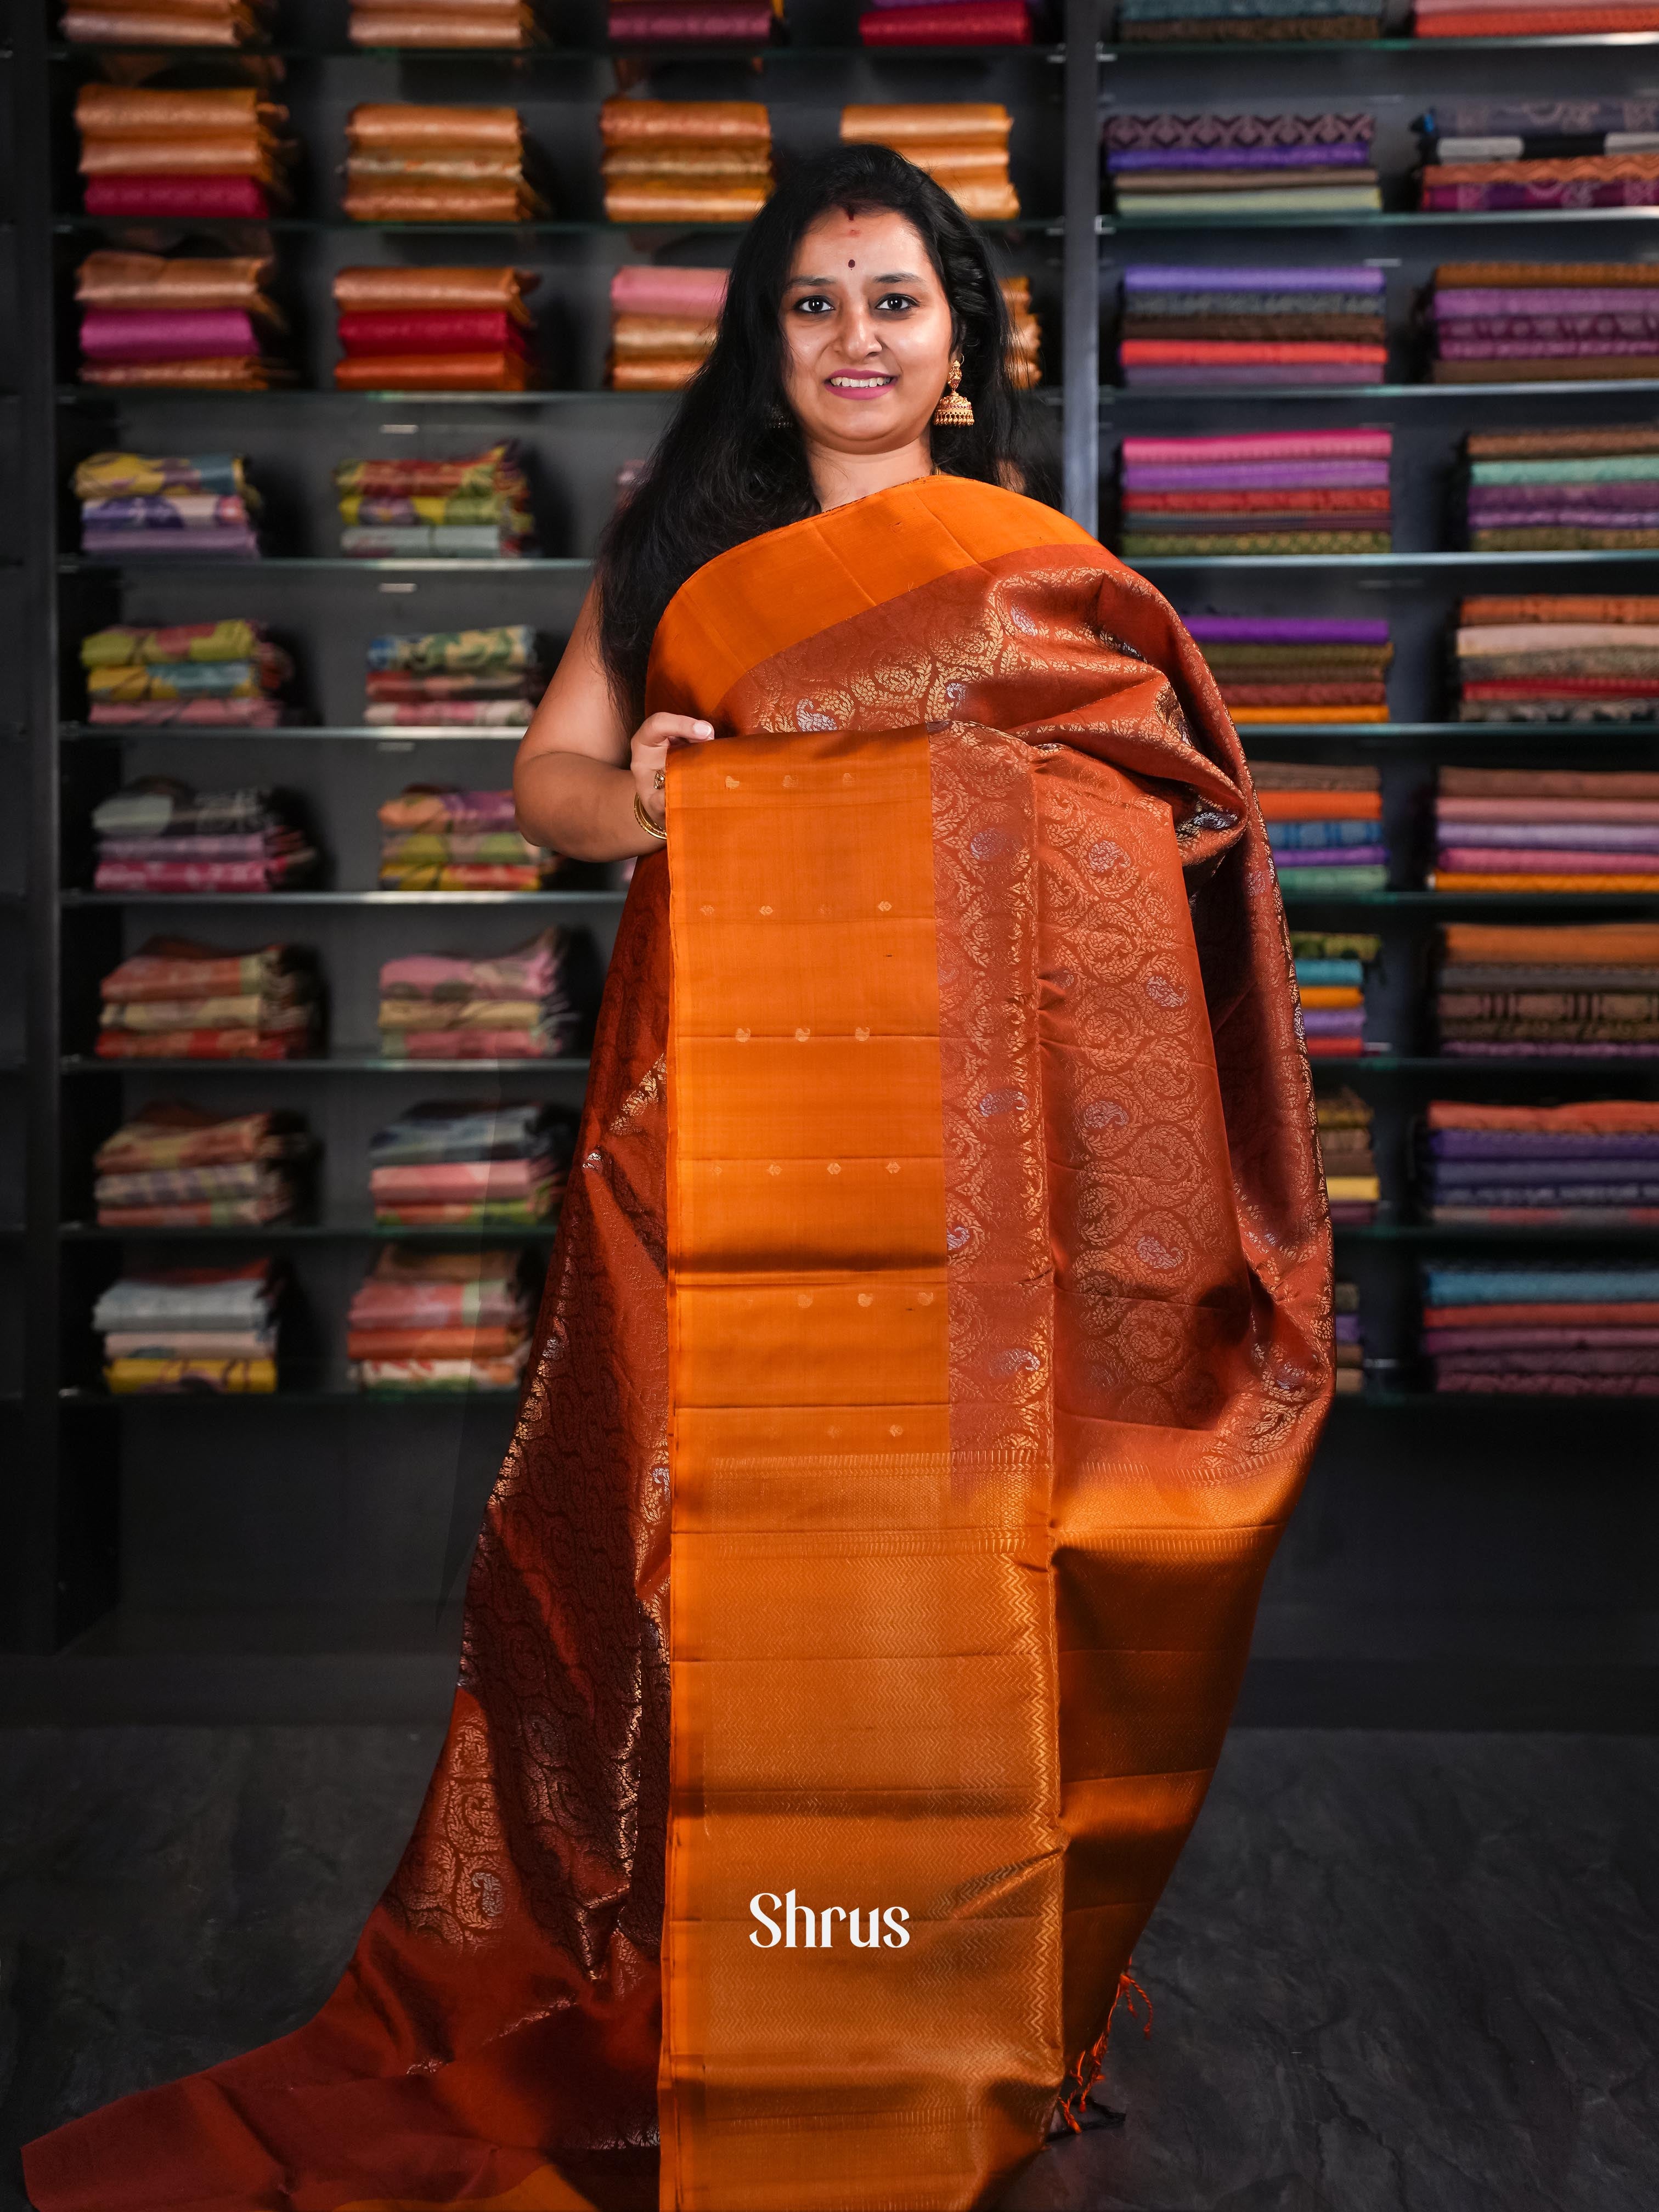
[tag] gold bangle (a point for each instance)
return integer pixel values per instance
(646, 823)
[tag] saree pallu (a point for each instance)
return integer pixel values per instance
(942, 1299)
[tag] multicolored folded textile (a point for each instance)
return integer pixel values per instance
(1543, 831)
(1543, 1329)
(1185, 168)
(420, 329)
(476, 507)
(1325, 827)
(225, 674)
(166, 22)
(1202, 325)
(1529, 322)
(1539, 657)
(678, 23)
(195, 506)
(441, 1166)
(1522, 19)
(1330, 983)
(1591, 1164)
(662, 325)
(459, 679)
(444, 23)
(517, 1005)
(435, 838)
(1480, 155)
(218, 153)
(204, 324)
(158, 835)
(962, 144)
(174, 1166)
(1349, 1340)
(417, 164)
(685, 161)
(177, 1000)
(1175, 23)
(946, 23)
(1541, 491)
(440, 1320)
(1352, 1188)
(1584, 991)
(1307, 491)
(191, 1329)
(1306, 668)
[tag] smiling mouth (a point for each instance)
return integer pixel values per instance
(860, 383)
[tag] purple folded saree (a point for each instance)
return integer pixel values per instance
(1540, 1144)
(1256, 476)
(1347, 154)
(229, 544)
(1163, 276)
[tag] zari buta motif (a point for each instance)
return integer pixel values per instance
(940, 1312)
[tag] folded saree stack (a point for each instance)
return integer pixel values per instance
(1352, 1188)
(514, 1006)
(1295, 491)
(1543, 1330)
(476, 508)
(1531, 18)
(166, 22)
(683, 23)
(1586, 990)
(435, 838)
(191, 1328)
(190, 506)
(946, 23)
(1563, 491)
(1479, 155)
(1594, 1164)
(1178, 22)
(468, 1167)
(1248, 327)
(962, 144)
(176, 1000)
(1324, 825)
(159, 834)
(1544, 830)
(440, 1321)
(1538, 322)
(183, 326)
(1024, 333)
(223, 674)
(418, 329)
(1297, 668)
(183, 156)
(1183, 168)
(416, 164)
(662, 325)
(1545, 657)
(1330, 983)
(1349, 1341)
(444, 23)
(458, 678)
(173, 1166)
(685, 161)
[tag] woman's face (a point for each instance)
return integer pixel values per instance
(866, 332)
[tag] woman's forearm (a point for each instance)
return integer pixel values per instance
(579, 806)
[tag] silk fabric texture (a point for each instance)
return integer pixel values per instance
(942, 1306)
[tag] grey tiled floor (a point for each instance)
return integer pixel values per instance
(1393, 1973)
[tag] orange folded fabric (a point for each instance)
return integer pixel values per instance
(411, 203)
(434, 372)
(980, 123)
(210, 373)
(116, 110)
(1610, 1117)
(741, 157)
(220, 153)
(1320, 805)
(1549, 783)
(1554, 607)
(444, 129)
(637, 201)
(1584, 945)
(1452, 879)
(662, 335)
(688, 121)
(510, 26)
(157, 27)
(143, 282)
(1508, 276)
(387, 289)
(660, 374)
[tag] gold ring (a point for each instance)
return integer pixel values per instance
(660, 779)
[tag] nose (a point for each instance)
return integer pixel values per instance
(860, 336)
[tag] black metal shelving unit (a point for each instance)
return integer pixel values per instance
(284, 1556)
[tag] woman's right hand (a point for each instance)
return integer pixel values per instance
(649, 751)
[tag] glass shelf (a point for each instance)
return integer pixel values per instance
(1404, 734)
(1434, 1233)
(1335, 565)
(740, 52)
(538, 899)
(310, 1232)
(1390, 1063)
(97, 395)
(1127, 395)
(68, 225)
(285, 733)
(1281, 49)
(168, 564)
(1539, 904)
(314, 1394)
(341, 1063)
(1111, 226)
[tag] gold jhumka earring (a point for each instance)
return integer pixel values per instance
(954, 412)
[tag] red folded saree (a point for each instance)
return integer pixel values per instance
(941, 1308)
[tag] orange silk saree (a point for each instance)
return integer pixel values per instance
(940, 1314)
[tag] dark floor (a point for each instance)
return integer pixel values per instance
(1394, 1973)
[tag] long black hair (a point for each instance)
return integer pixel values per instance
(725, 469)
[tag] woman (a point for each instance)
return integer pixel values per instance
(939, 1313)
